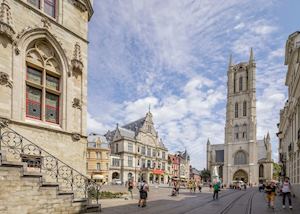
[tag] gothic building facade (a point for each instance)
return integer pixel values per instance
(43, 74)
(242, 156)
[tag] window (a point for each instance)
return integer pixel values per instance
(115, 162)
(244, 108)
(130, 147)
(236, 110)
(148, 164)
(49, 6)
(244, 131)
(163, 166)
(236, 132)
(240, 158)
(143, 163)
(154, 153)
(163, 155)
(98, 155)
(117, 148)
(130, 161)
(138, 149)
(240, 83)
(148, 151)
(261, 171)
(138, 163)
(35, 3)
(42, 83)
(98, 166)
(143, 150)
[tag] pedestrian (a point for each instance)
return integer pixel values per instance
(130, 187)
(271, 192)
(143, 189)
(190, 185)
(216, 188)
(199, 186)
(286, 190)
(194, 185)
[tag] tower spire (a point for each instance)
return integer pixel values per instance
(208, 142)
(230, 61)
(251, 55)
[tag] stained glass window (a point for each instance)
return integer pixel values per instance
(49, 7)
(35, 3)
(52, 104)
(52, 82)
(33, 102)
(34, 75)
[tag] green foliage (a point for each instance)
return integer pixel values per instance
(276, 171)
(205, 175)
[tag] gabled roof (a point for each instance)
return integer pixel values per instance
(126, 133)
(136, 125)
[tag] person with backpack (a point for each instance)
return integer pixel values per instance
(143, 189)
(286, 190)
(216, 188)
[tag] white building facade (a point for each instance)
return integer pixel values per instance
(289, 126)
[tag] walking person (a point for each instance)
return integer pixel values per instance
(194, 185)
(130, 187)
(140, 188)
(199, 186)
(216, 188)
(286, 190)
(143, 189)
(271, 192)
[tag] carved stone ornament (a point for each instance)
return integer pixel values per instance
(46, 23)
(76, 136)
(3, 122)
(6, 23)
(76, 103)
(77, 64)
(4, 79)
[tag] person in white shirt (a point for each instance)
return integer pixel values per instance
(286, 190)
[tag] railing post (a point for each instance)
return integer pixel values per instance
(57, 172)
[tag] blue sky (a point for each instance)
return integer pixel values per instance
(173, 55)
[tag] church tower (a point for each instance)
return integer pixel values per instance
(240, 154)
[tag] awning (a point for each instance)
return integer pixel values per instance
(98, 176)
(158, 171)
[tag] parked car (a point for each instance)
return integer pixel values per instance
(116, 182)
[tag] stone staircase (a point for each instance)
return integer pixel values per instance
(32, 181)
(23, 191)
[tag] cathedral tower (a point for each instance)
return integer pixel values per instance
(240, 129)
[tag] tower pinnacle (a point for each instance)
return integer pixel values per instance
(251, 55)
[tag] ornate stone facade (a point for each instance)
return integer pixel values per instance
(36, 90)
(140, 151)
(289, 126)
(242, 157)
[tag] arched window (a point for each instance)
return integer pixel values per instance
(236, 110)
(261, 171)
(240, 83)
(43, 82)
(245, 108)
(240, 158)
(244, 131)
(236, 132)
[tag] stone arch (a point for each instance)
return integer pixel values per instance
(21, 44)
(261, 171)
(115, 175)
(241, 175)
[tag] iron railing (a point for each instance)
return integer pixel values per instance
(54, 170)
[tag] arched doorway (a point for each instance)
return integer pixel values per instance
(261, 171)
(115, 175)
(240, 175)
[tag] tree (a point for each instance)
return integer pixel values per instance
(205, 175)
(276, 171)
